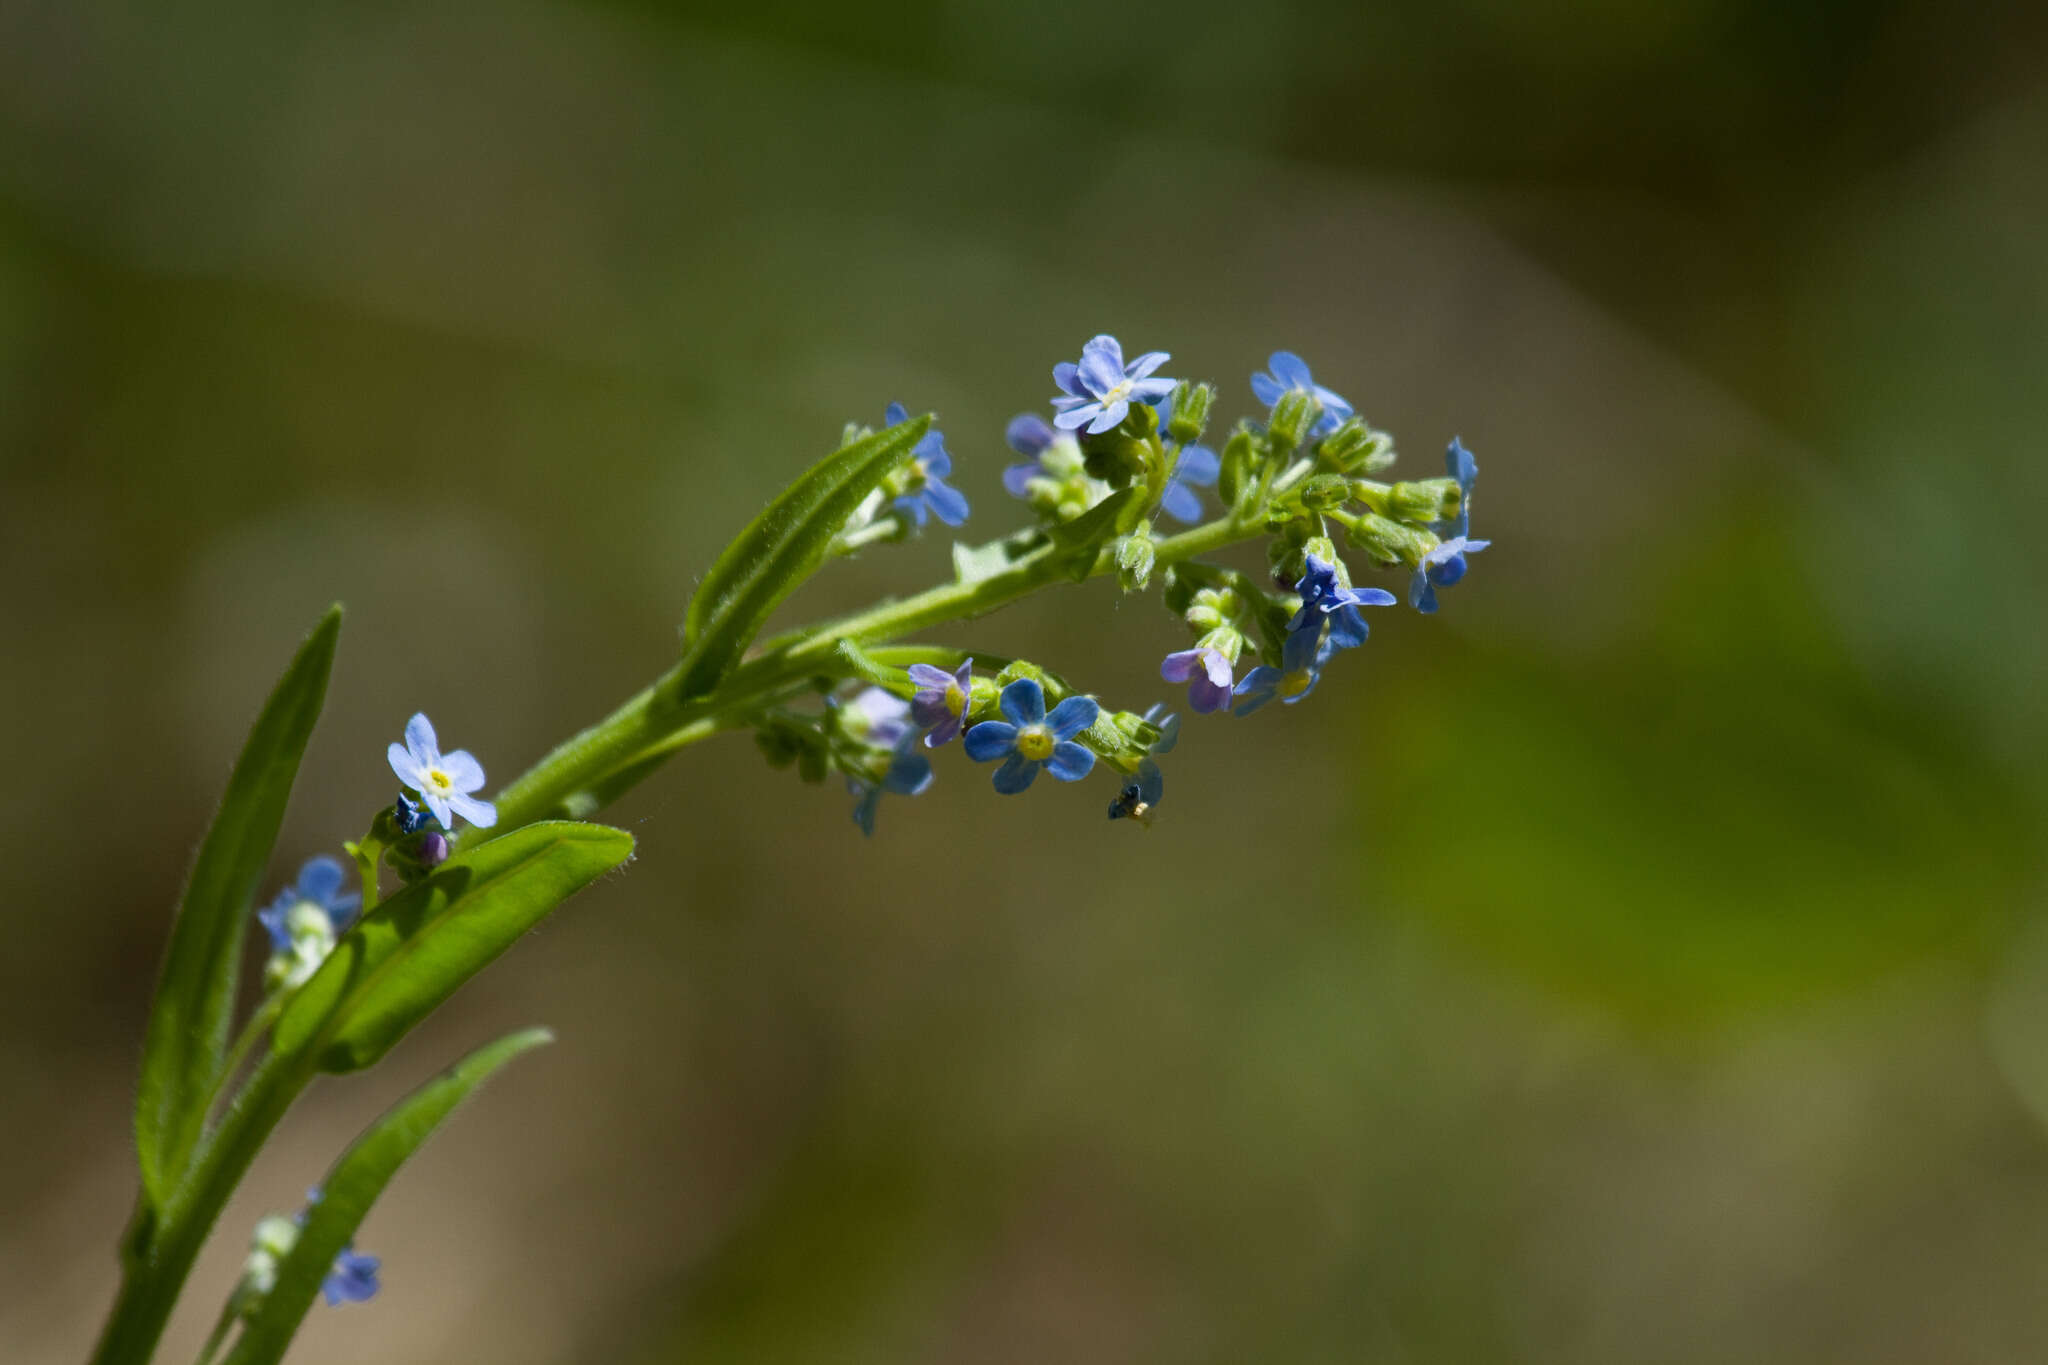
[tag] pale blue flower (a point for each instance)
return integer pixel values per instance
(1098, 392)
(447, 783)
(943, 501)
(1288, 372)
(319, 886)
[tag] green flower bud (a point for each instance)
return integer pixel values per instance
(1135, 558)
(1325, 492)
(1019, 668)
(1388, 542)
(1424, 500)
(1355, 447)
(1293, 415)
(984, 699)
(1190, 412)
(1240, 455)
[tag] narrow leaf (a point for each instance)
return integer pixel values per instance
(354, 1185)
(186, 1043)
(412, 952)
(780, 549)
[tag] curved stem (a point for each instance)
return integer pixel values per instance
(651, 725)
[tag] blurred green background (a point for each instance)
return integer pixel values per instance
(1641, 961)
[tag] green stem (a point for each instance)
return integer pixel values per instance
(228, 1314)
(651, 725)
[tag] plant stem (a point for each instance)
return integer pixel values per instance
(651, 725)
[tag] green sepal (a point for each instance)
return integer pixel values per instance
(780, 549)
(186, 1044)
(354, 1184)
(415, 950)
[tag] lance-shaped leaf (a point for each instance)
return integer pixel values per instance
(780, 549)
(186, 1043)
(412, 952)
(353, 1186)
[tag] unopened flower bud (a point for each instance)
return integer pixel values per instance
(1134, 560)
(1240, 453)
(1190, 412)
(1388, 542)
(1325, 492)
(1425, 500)
(433, 849)
(1293, 415)
(1355, 447)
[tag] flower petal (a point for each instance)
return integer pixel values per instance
(463, 770)
(1023, 701)
(1145, 364)
(948, 503)
(991, 739)
(1198, 465)
(1372, 597)
(1290, 369)
(1421, 592)
(405, 765)
(1017, 773)
(1077, 416)
(1028, 434)
(439, 805)
(929, 675)
(1266, 388)
(1070, 762)
(320, 878)
(1017, 479)
(1072, 716)
(1100, 372)
(1181, 503)
(1068, 376)
(944, 731)
(482, 814)
(420, 741)
(1153, 390)
(895, 414)
(1111, 414)
(1206, 696)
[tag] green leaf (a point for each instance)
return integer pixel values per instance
(186, 1042)
(780, 549)
(412, 952)
(1076, 543)
(354, 1185)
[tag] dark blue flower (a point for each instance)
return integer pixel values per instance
(1098, 392)
(909, 773)
(932, 462)
(319, 885)
(411, 816)
(1206, 672)
(1301, 668)
(1323, 597)
(353, 1278)
(1033, 739)
(1288, 372)
(940, 703)
(1441, 568)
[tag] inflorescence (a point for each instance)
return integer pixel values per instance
(1302, 477)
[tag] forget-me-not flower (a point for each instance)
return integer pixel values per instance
(932, 464)
(1098, 392)
(1301, 668)
(1441, 568)
(1206, 672)
(447, 783)
(939, 706)
(1032, 739)
(1030, 437)
(1460, 464)
(1323, 598)
(304, 922)
(1286, 372)
(352, 1279)
(909, 773)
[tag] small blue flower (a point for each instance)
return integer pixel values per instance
(1441, 568)
(1324, 598)
(1198, 467)
(1206, 672)
(1288, 372)
(940, 702)
(1460, 465)
(319, 884)
(932, 462)
(1301, 668)
(447, 783)
(1098, 392)
(353, 1278)
(908, 774)
(1034, 740)
(1030, 437)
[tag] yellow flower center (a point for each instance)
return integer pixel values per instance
(1035, 742)
(956, 699)
(439, 780)
(1117, 392)
(1296, 683)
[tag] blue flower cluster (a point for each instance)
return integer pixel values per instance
(1118, 423)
